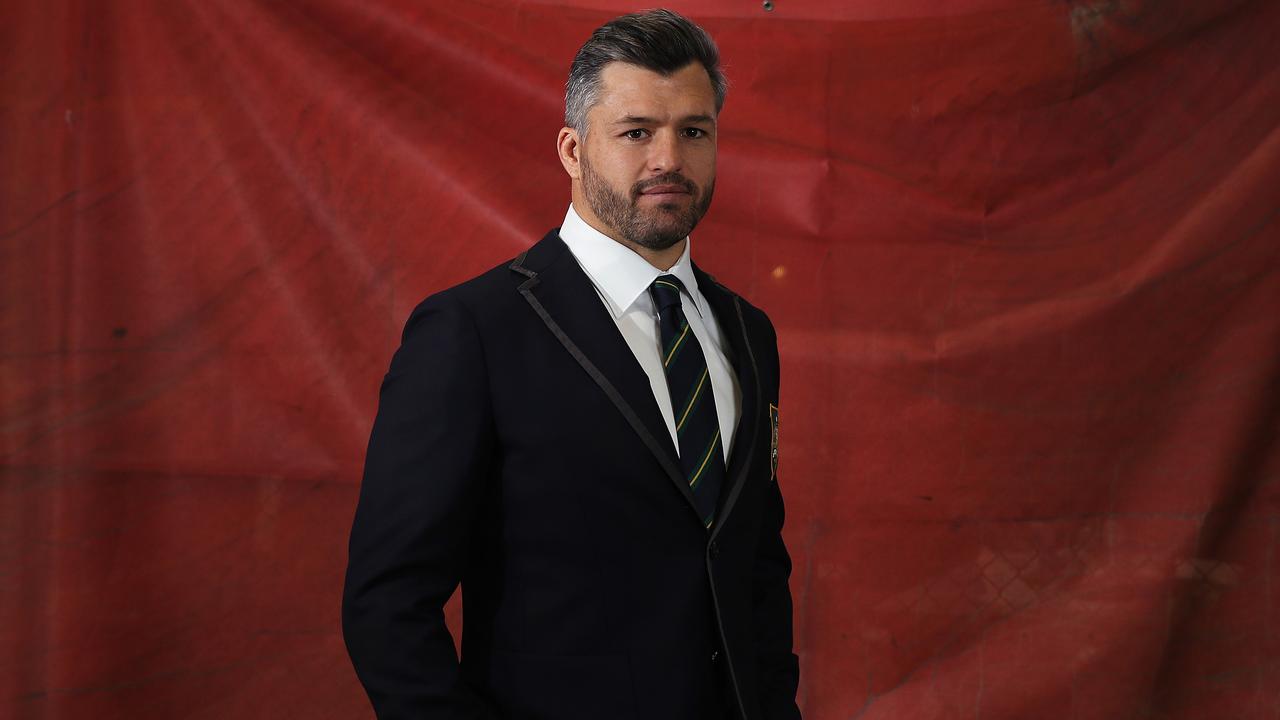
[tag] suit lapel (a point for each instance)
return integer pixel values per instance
(728, 312)
(566, 301)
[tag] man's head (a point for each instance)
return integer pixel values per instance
(639, 140)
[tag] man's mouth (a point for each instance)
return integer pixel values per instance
(665, 192)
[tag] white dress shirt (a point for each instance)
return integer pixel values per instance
(622, 279)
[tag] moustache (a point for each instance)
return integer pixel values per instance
(668, 179)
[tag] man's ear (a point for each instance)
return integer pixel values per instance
(568, 146)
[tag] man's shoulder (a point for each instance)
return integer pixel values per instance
(754, 315)
(500, 284)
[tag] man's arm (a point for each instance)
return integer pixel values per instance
(426, 467)
(778, 666)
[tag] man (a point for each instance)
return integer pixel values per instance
(585, 438)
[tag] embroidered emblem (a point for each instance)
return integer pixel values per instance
(773, 444)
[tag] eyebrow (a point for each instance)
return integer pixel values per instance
(643, 120)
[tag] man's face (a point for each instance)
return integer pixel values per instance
(649, 158)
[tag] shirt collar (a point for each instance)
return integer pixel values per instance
(621, 275)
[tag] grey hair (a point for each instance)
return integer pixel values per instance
(657, 40)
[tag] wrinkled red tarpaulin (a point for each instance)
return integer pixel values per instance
(1022, 256)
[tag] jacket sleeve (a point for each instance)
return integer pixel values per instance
(779, 668)
(428, 460)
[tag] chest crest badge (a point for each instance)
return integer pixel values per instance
(773, 442)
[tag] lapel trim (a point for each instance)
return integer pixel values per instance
(749, 420)
(664, 458)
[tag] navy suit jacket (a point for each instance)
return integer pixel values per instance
(518, 450)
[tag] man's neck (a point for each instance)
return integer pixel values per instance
(661, 259)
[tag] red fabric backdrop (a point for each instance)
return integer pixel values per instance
(1023, 258)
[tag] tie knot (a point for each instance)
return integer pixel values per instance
(666, 291)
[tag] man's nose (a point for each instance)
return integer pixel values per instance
(665, 153)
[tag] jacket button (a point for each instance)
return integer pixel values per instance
(715, 655)
(715, 549)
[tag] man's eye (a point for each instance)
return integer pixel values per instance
(636, 134)
(694, 132)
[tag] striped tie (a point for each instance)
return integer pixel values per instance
(692, 401)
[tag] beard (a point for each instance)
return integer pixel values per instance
(656, 228)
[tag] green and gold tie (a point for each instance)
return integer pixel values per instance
(692, 401)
